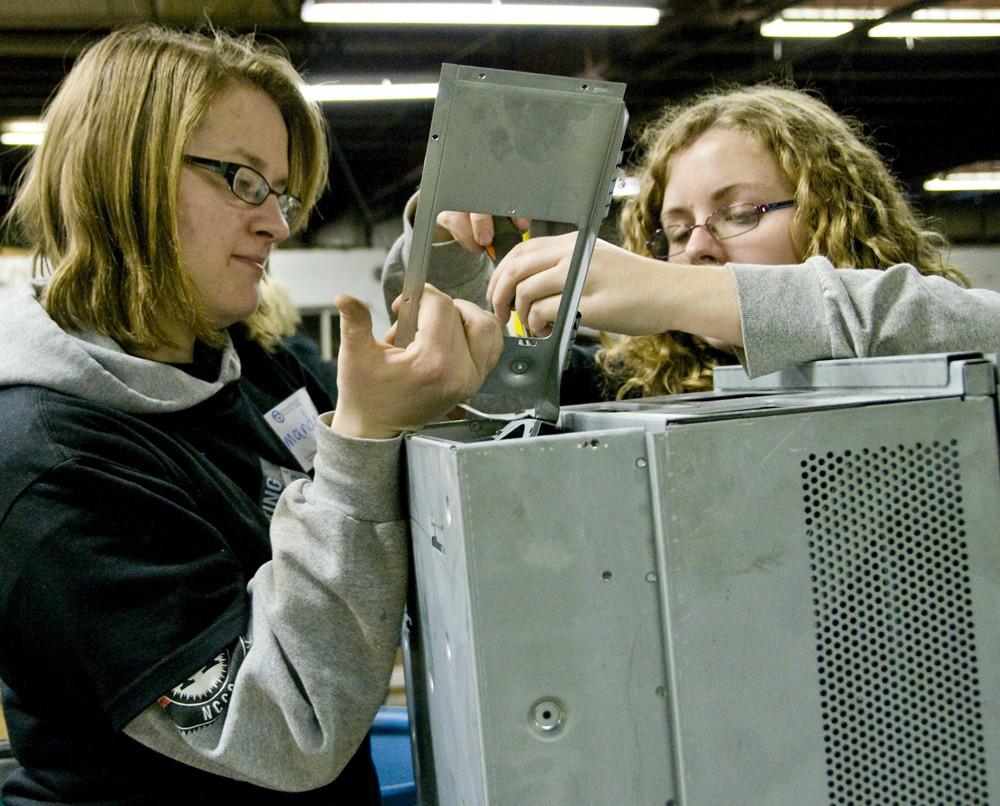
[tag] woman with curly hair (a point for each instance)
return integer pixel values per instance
(842, 203)
(767, 229)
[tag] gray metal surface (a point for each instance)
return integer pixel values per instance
(832, 590)
(919, 375)
(540, 608)
(519, 144)
(791, 604)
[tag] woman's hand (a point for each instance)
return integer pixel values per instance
(616, 294)
(474, 231)
(384, 390)
(623, 293)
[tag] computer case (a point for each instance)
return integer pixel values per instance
(783, 592)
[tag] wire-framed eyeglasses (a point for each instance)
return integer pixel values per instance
(248, 185)
(726, 222)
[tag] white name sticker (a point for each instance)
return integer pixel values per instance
(295, 420)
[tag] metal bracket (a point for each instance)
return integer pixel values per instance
(510, 143)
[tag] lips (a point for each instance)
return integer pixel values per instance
(257, 261)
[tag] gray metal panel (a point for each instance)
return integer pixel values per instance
(821, 385)
(933, 372)
(510, 143)
(559, 628)
(655, 414)
(540, 149)
(445, 676)
(822, 581)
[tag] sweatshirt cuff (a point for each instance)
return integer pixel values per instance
(361, 475)
(781, 315)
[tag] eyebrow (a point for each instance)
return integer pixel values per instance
(718, 196)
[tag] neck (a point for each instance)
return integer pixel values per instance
(180, 350)
(170, 355)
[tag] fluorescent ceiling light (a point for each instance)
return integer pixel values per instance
(804, 29)
(815, 22)
(965, 180)
(21, 132)
(490, 13)
(814, 13)
(21, 138)
(936, 30)
(957, 14)
(385, 91)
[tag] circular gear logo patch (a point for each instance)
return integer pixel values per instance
(203, 697)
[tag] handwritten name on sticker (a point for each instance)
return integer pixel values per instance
(294, 420)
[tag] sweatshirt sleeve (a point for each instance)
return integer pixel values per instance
(793, 314)
(451, 268)
(326, 613)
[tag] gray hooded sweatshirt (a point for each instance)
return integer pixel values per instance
(116, 462)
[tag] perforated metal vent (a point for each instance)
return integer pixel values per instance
(902, 714)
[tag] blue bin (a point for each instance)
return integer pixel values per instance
(392, 755)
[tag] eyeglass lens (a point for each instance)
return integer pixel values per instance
(253, 188)
(725, 223)
(728, 222)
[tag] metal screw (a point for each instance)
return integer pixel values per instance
(547, 715)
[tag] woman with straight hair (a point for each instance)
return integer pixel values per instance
(202, 567)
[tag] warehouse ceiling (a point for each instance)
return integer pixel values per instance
(926, 102)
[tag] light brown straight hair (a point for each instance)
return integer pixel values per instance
(98, 200)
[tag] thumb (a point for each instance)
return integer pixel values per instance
(355, 319)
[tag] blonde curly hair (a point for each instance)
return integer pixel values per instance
(850, 206)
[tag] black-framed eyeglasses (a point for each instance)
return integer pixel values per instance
(726, 222)
(248, 185)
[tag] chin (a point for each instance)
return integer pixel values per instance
(250, 307)
(245, 315)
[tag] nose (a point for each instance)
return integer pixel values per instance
(701, 247)
(269, 221)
